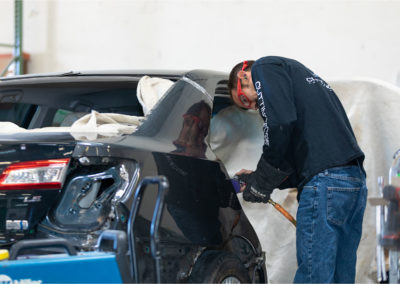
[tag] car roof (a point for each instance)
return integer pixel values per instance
(53, 77)
(213, 81)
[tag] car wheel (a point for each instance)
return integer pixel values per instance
(219, 267)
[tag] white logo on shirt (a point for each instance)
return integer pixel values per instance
(315, 79)
(261, 107)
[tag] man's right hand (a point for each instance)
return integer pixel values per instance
(243, 173)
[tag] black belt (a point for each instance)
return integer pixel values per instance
(351, 163)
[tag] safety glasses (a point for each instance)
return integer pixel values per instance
(243, 99)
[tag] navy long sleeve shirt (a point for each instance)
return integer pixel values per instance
(306, 129)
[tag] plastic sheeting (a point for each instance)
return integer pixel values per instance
(236, 137)
(97, 125)
(150, 90)
(89, 127)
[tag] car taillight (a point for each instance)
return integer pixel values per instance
(42, 174)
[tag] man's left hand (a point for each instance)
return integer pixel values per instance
(252, 192)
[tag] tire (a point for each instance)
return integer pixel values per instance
(219, 267)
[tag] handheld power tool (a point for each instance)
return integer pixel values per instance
(237, 184)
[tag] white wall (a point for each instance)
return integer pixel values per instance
(337, 39)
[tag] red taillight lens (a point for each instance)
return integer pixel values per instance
(43, 174)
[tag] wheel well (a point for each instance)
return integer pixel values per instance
(214, 266)
(252, 259)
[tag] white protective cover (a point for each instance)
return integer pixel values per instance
(89, 127)
(150, 90)
(236, 137)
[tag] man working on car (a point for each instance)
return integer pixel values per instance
(308, 144)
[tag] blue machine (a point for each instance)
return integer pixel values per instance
(91, 267)
(64, 264)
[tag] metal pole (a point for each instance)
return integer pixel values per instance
(19, 63)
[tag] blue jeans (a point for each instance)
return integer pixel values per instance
(329, 226)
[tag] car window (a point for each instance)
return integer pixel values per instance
(60, 116)
(18, 113)
(64, 117)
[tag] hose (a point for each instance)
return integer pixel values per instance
(287, 215)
